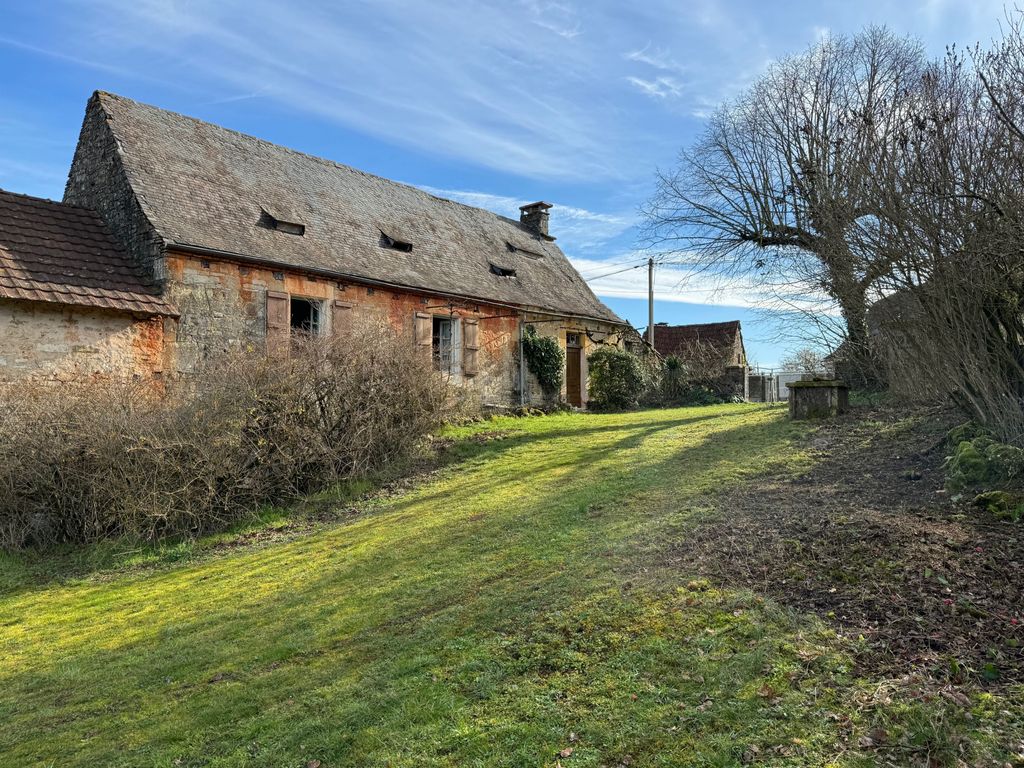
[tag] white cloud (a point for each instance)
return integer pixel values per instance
(659, 88)
(576, 228)
(671, 283)
(626, 277)
(654, 57)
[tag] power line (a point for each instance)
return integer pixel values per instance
(616, 272)
(624, 262)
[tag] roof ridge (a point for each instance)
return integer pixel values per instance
(46, 201)
(309, 156)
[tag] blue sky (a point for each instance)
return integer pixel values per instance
(493, 104)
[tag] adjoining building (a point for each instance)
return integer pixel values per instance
(244, 242)
(73, 305)
(713, 347)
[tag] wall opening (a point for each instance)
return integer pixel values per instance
(443, 344)
(305, 316)
(387, 241)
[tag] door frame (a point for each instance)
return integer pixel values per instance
(574, 347)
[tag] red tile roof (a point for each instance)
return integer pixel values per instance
(63, 254)
(671, 339)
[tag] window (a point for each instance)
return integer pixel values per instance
(572, 340)
(502, 271)
(270, 221)
(443, 344)
(386, 241)
(305, 316)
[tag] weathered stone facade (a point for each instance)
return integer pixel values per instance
(65, 343)
(99, 181)
(223, 308)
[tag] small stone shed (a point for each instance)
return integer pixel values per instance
(722, 339)
(73, 305)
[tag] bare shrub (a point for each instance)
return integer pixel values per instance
(703, 364)
(952, 325)
(80, 463)
(804, 360)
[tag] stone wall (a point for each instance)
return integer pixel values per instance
(592, 334)
(223, 307)
(64, 343)
(97, 180)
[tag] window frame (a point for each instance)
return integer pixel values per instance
(316, 317)
(453, 364)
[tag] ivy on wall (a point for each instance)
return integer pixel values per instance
(544, 358)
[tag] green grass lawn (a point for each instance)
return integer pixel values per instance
(511, 607)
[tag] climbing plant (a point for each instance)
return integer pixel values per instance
(544, 358)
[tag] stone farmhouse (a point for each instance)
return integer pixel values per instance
(201, 240)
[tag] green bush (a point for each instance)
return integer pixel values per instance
(616, 379)
(544, 358)
(982, 462)
(1006, 462)
(966, 467)
(966, 431)
(1002, 504)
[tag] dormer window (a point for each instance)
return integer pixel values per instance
(280, 222)
(502, 271)
(386, 241)
(523, 251)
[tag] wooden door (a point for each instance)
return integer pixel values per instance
(573, 370)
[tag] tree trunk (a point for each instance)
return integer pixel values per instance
(860, 368)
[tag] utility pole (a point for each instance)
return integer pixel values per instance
(650, 301)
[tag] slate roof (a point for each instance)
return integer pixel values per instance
(670, 339)
(63, 254)
(203, 185)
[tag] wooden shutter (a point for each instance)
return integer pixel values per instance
(423, 325)
(341, 317)
(278, 322)
(470, 346)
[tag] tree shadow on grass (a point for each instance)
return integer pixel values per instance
(32, 569)
(386, 598)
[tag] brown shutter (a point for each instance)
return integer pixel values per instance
(424, 329)
(278, 322)
(341, 317)
(470, 346)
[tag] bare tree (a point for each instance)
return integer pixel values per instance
(779, 187)
(804, 360)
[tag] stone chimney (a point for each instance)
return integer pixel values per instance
(535, 216)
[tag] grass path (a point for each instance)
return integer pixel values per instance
(509, 609)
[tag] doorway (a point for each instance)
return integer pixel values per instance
(574, 369)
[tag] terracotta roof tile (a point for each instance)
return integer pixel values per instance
(671, 339)
(60, 253)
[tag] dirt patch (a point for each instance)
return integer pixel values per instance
(870, 541)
